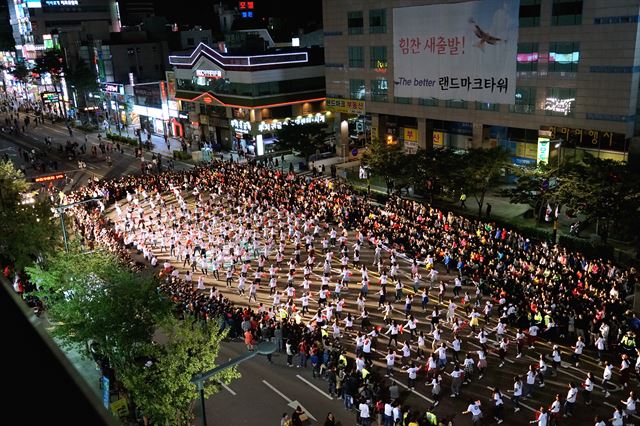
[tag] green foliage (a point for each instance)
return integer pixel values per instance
(477, 170)
(87, 127)
(51, 62)
(28, 230)
(124, 139)
(391, 162)
(163, 389)
(433, 170)
(181, 155)
(82, 77)
(603, 190)
(303, 138)
(587, 247)
(537, 186)
(21, 73)
(94, 297)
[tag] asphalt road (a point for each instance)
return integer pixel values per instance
(258, 403)
(97, 167)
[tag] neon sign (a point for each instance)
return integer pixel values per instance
(49, 178)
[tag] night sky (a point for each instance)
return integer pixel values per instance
(295, 14)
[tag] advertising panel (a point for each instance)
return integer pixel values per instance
(462, 51)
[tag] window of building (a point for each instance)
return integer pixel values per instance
(130, 51)
(190, 41)
(356, 56)
(527, 59)
(428, 102)
(560, 102)
(487, 106)
(377, 21)
(564, 56)
(355, 22)
(379, 90)
(402, 100)
(378, 57)
(529, 13)
(525, 100)
(457, 104)
(356, 89)
(566, 12)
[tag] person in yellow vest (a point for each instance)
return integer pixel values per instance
(283, 314)
(538, 318)
(365, 373)
(463, 198)
(342, 359)
(324, 332)
(431, 418)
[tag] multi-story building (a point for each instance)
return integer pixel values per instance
(240, 100)
(576, 68)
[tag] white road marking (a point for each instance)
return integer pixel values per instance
(521, 403)
(273, 388)
(413, 391)
(315, 387)
(227, 388)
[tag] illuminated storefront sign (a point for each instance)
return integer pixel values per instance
(410, 135)
(215, 74)
(49, 97)
(49, 178)
(562, 106)
(61, 2)
(113, 88)
(543, 150)
(588, 138)
(242, 126)
(438, 138)
(349, 106)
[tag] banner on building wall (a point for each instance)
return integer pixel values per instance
(463, 51)
(410, 135)
(438, 139)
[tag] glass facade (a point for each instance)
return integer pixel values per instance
(378, 57)
(566, 12)
(356, 57)
(527, 58)
(357, 89)
(564, 56)
(379, 90)
(377, 21)
(355, 22)
(525, 101)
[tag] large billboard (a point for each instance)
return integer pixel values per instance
(463, 51)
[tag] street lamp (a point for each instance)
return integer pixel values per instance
(262, 348)
(61, 208)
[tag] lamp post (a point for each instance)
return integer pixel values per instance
(262, 348)
(61, 208)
